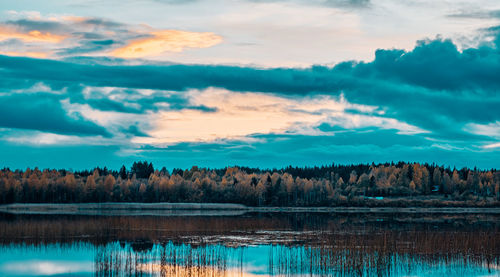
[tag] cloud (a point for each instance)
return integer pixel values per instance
(135, 131)
(265, 151)
(445, 67)
(40, 138)
(133, 101)
(31, 36)
(493, 145)
(166, 41)
(40, 55)
(238, 115)
(44, 112)
(435, 103)
(327, 3)
(434, 87)
(105, 104)
(477, 14)
(65, 36)
(176, 2)
(350, 146)
(491, 130)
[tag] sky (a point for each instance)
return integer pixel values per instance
(260, 83)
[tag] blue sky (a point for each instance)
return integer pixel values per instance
(249, 82)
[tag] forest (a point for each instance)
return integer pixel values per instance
(389, 184)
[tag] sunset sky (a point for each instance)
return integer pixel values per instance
(261, 83)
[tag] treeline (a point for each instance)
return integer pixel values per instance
(292, 186)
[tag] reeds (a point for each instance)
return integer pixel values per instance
(299, 244)
(389, 253)
(161, 260)
(385, 254)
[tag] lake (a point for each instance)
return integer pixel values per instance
(251, 244)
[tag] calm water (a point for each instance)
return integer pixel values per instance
(250, 245)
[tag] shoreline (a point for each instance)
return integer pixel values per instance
(212, 209)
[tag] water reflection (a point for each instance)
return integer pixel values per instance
(169, 259)
(255, 245)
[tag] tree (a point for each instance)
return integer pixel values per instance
(412, 186)
(142, 170)
(109, 183)
(290, 186)
(392, 180)
(142, 190)
(353, 177)
(90, 187)
(364, 182)
(260, 189)
(69, 181)
(436, 178)
(69, 187)
(123, 173)
(417, 177)
(447, 183)
(455, 180)
(340, 183)
(425, 180)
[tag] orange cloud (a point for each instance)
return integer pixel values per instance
(71, 18)
(239, 115)
(39, 55)
(166, 41)
(32, 36)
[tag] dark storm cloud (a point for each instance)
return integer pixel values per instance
(43, 112)
(416, 87)
(434, 86)
(434, 65)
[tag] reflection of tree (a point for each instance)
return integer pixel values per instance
(141, 246)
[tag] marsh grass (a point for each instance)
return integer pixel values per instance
(299, 245)
(162, 260)
(384, 254)
(389, 253)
